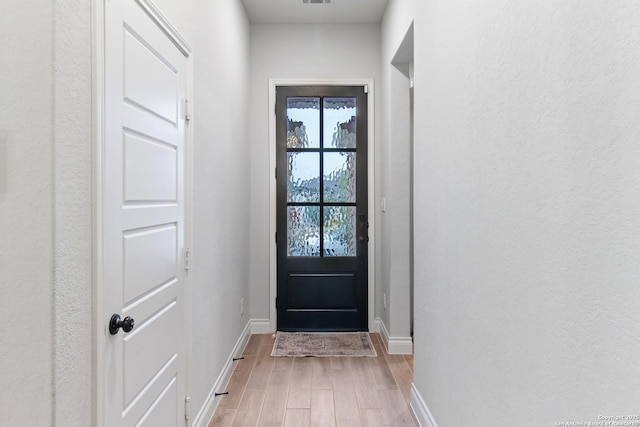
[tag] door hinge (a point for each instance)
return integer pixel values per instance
(187, 110)
(187, 408)
(276, 236)
(366, 88)
(276, 302)
(187, 258)
(275, 173)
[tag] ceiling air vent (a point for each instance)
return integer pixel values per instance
(317, 1)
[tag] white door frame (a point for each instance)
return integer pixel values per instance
(99, 318)
(273, 260)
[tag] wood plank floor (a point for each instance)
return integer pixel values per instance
(267, 391)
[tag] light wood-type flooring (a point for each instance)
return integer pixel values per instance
(316, 391)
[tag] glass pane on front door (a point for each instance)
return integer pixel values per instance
(303, 122)
(339, 233)
(339, 177)
(303, 177)
(339, 122)
(303, 231)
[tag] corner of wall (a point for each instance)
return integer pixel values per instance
(394, 345)
(262, 326)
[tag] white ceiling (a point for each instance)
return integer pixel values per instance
(294, 12)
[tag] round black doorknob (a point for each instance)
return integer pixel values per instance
(115, 323)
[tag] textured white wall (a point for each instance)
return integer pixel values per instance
(294, 52)
(26, 223)
(72, 147)
(527, 222)
(394, 235)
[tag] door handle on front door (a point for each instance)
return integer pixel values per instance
(115, 323)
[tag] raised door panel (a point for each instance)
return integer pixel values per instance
(150, 260)
(150, 170)
(150, 80)
(138, 376)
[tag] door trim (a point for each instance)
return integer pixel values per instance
(273, 260)
(99, 326)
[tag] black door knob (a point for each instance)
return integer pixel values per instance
(115, 323)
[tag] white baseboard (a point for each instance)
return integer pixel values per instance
(211, 403)
(394, 345)
(420, 409)
(262, 326)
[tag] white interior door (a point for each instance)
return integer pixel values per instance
(143, 211)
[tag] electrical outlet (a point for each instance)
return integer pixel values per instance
(241, 306)
(384, 301)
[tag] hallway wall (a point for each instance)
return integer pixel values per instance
(26, 203)
(219, 278)
(295, 52)
(527, 211)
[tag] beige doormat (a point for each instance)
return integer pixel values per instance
(323, 344)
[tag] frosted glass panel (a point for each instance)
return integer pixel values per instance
(339, 122)
(303, 231)
(339, 231)
(303, 122)
(339, 177)
(303, 177)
